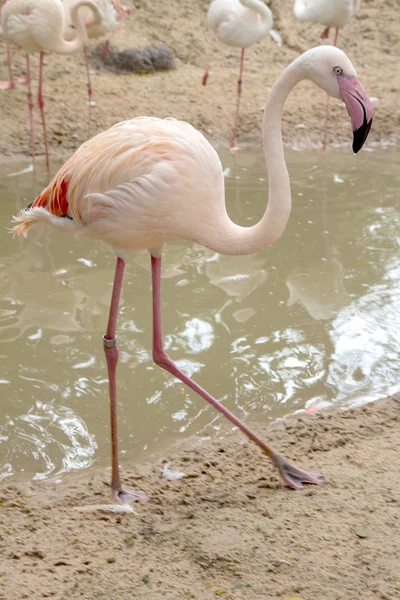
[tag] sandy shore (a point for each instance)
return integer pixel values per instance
(371, 40)
(228, 528)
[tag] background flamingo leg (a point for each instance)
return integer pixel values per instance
(335, 40)
(30, 108)
(106, 49)
(89, 87)
(41, 105)
(328, 99)
(325, 34)
(239, 93)
(292, 476)
(207, 69)
(111, 351)
(6, 85)
(210, 45)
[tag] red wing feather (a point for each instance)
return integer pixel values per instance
(54, 198)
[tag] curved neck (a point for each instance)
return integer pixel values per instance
(81, 38)
(234, 239)
(262, 9)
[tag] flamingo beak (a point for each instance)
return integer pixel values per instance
(359, 107)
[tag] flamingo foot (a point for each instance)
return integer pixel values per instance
(7, 85)
(325, 34)
(126, 496)
(293, 476)
(204, 79)
(22, 79)
(233, 147)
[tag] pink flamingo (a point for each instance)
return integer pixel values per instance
(37, 26)
(149, 181)
(331, 13)
(238, 23)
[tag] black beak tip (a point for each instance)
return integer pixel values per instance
(360, 135)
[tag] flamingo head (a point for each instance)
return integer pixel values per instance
(330, 69)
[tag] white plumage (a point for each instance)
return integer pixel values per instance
(331, 13)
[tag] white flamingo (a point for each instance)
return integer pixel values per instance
(238, 23)
(148, 181)
(6, 85)
(331, 13)
(109, 17)
(37, 26)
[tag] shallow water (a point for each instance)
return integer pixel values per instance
(312, 321)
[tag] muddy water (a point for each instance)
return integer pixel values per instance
(312, 321)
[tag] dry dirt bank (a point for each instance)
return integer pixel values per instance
(371, 40)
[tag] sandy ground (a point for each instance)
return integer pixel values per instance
(228, 528)
(371, 40)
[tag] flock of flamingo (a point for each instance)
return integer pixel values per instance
(148, 181)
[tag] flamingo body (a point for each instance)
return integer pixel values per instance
(37, 25)
(142, 183)
(239, 23)
(331, 13)
(109, 19)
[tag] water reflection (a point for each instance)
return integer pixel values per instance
(319, 287)
(312, 320)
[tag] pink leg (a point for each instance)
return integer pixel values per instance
(30, 108)
(89, 87)
(7, 85)
(325, 34)
(207, 70)
(239, 93)
(41, 105)
(325, 138)
(328, 99)
(111, 350)
(292, 476)
(336, 36)
(106, 49)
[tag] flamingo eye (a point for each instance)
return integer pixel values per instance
(337, 70)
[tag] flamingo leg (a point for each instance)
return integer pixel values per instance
(89, 87)
(328, 99)
(335, 41)
(239, 93)
(210, 45)
(292, 476)
(207, 69)
(325, 34)
(30, 108)
(106, 49)
(111, 351)
(7, 85)
(41, 106)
